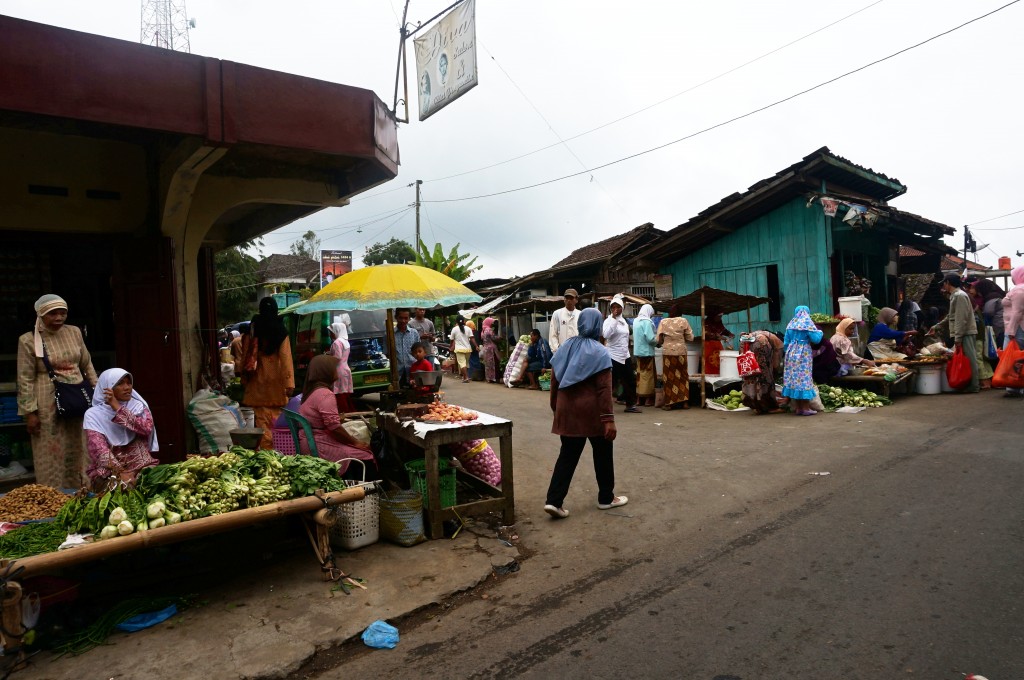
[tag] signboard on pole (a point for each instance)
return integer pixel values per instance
(334, 263)
(446, 59)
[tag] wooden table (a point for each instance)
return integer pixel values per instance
(429, 438)
(870, 381)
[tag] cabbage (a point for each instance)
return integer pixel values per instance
(108, 532)
(125, 527)
(118, 516)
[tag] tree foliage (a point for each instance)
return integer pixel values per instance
(454, 264)
(237, 280)
(395, 251)
(308, 246)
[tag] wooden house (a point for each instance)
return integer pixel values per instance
(793, 238)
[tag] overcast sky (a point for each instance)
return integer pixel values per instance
(943, 118)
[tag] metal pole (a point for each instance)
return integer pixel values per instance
(750, 328)
(398, 66)
(417, 248)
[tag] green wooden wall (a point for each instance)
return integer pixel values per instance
(794, 237)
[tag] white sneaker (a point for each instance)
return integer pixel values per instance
(618, 501)
(557, 513)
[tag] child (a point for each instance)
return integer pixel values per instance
(419, 353)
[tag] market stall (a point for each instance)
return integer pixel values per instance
(697, 304)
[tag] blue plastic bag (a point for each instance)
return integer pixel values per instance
(381, 635)
(143, 621)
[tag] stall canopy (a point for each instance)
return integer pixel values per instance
(700, 302)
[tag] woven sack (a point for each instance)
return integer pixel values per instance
(401, 518)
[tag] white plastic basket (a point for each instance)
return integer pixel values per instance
(358, 523)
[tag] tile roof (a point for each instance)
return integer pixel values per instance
(948, 262)
(606, 248)
(280, 266)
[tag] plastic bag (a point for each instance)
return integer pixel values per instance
(1010, 370)
(478, 458)
(958, 370)
(143, 621)
(213, 416)
(991, 350)
(815, 403)
(401, 518)
(747, 365)
(380, 635)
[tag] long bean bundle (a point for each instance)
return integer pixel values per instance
(97, 633)
(32, 539)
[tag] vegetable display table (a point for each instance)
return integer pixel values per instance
(872, 382)
(429, 437)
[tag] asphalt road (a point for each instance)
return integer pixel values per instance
(732, 562)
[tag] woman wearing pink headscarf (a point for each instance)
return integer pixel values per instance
(489, 350)
(1013, 317)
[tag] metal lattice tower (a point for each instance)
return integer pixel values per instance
(165, 24)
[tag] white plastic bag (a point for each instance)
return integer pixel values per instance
(213, 416)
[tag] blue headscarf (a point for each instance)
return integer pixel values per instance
(582, 356)
(802, 320)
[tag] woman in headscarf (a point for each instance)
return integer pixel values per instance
(581, 399)
(266, 368)
(797, 382)
(489, 350)
(759, 390)
(673, 334)
(992, 309)
(236, 342)
(644, 341)
(58, 444)
(714, 333)
(843, 346)
(462, 344)
(119, 431)
(884, 342)
(319, 407)
(825, 363)
(1013, 317)
(616, 338)
(340, 349)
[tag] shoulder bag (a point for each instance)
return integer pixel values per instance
(71, 399)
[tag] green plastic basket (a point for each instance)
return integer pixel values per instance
(417, 470)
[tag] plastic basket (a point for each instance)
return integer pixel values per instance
(358, 523)
(417, 470)
(283, 442)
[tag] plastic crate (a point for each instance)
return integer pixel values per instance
(417, 470)
(283, 442)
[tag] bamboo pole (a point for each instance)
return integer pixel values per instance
(183, 531)
(703, 349)
(390, 330)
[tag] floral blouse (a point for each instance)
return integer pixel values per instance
(107, 460)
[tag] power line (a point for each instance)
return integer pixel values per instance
(655, 104)
(1002, 228)
(734, 119)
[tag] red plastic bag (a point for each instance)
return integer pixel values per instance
(747, 365)
(1010, 370)
(958, 370)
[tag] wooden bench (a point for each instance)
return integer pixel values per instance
(872, 382)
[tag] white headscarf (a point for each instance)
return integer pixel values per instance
(646, 312)
(340, 330)
(100, 417)
(235, 334)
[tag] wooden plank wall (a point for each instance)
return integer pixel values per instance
(793, 237)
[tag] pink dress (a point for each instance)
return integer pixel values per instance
(107, 460)
(341, 349)
(321, 410)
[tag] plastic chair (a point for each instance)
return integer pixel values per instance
(294, 422)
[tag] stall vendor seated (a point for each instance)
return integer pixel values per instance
(887, 344)
(843, 346)
(119, 431)
(320, 408)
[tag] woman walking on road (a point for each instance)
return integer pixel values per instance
(673, 334)
(581, 399)
(489, 350)
(797, 382)
(643, 350)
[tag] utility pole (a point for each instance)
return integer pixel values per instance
(416, 246)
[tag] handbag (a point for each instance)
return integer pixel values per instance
(958, 370)
(71, 399)
(1009, 371)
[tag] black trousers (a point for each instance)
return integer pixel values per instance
(569, 458)
(625, 374)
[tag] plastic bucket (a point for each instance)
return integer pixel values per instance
(944, 382)
(692, 359)
(929, 379)
(853, 307)
(727, 363)
(659, 361)
(249, 415)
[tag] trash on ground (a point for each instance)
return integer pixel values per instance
(820, 474)
(510, 568)
(381, 635)
(850, 409)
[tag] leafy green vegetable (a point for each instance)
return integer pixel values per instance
(32, 539)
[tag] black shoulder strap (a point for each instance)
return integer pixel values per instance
(46, 362)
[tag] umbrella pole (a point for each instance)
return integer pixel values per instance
(391, 350)
(703, 356)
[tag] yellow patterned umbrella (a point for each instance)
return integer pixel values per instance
(388, 286)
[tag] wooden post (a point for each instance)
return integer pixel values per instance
(703, 361)
(392, 353)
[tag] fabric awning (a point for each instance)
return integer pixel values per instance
(722, 300)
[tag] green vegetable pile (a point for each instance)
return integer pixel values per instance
(818, 317)
(731, 401)
(836, 397)
(32, 539)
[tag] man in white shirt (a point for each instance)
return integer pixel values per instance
(616, 338)
(563, 321)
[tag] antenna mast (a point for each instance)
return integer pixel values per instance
(165, 24)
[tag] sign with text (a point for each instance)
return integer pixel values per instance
(334, 263)
(446, 59)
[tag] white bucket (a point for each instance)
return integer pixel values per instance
(853, 307)
(727, 363)
(945, 382)
(659, 361)
(692, 359)
(248, 415)
(929, 379)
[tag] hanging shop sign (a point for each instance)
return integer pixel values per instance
(446, 59)
(334, 263)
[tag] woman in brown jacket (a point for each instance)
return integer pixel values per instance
(266, 368)
(581, 398)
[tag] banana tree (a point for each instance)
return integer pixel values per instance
(454, 264)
